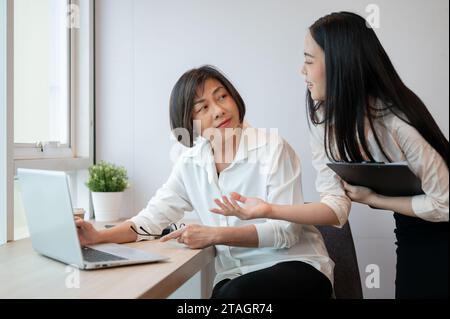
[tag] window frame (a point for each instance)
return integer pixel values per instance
(51, 149)
(30, 155)
(6, 167)
(81, 153)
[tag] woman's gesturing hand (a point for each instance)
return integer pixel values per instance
(253, 207)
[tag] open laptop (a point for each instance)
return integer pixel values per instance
(48, 207)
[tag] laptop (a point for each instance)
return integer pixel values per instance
(49, 212)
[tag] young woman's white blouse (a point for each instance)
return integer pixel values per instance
(402, 143)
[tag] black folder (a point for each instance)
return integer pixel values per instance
(386, 179)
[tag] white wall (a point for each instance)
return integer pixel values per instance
(143, 46)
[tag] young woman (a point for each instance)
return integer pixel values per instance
(258, 259)
(362, 111)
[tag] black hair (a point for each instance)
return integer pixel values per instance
(358, 72)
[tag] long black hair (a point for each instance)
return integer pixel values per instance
(359, 71)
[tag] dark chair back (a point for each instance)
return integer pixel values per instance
(339, 242)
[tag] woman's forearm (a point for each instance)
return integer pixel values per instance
(118, 234)
(244, 236)
(402, 205)
(306, 214)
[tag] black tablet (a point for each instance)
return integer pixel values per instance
(385, 179)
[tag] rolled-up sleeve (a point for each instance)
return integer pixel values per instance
(283, 188)
(427, 164)
(166, 207)
(328, 183)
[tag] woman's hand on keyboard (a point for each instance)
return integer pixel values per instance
(87, 234)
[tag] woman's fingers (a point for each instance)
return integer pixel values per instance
(235, 204)
(173, 235)
(347, 187)
(238, 197)
(228, 203)
(229, 206)
(221, 205)
(218, 211)
(80, 223)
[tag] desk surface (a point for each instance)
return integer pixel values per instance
(26, 274)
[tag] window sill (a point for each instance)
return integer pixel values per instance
(59, 164)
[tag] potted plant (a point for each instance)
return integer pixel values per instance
(107, 182)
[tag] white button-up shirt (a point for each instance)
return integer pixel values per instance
(402, 143)
(265, 166)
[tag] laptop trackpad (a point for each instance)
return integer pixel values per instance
(127, 252)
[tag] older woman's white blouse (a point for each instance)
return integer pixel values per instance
(265, 167)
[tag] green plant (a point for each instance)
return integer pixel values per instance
(107, 177)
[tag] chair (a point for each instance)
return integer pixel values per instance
(339, 242)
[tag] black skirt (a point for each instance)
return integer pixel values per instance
(422, 258)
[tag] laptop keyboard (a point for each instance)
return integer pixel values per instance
(93, 255)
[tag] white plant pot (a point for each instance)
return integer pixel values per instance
(107, 206)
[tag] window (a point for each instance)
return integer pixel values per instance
(51, 111)
(42, 55)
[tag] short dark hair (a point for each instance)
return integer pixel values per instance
(183, 96)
